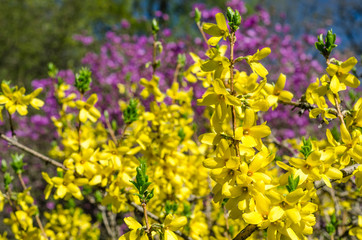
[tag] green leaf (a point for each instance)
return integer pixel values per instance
(17, 163)
(230, 14)
(7, 180)
(197, 15)
(4, 166)
(155, 27)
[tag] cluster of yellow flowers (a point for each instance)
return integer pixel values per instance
(15, 100)
(69, 224)
(250, 187)
(241, 165)
(21, 218)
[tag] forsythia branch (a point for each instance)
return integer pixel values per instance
(246, 232)
(32, 152)
(346, 172)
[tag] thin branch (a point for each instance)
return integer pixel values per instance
(203, 34)
(345, 171)
(32, 152)
(246, 232)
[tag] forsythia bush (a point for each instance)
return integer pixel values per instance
(158, 180)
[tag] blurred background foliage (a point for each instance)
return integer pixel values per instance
(35, 32)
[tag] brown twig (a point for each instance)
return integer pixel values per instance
(347, 171)
(32, 152)
(148, 228)
(110, 130)
(11, 125)
(246, 232)
(203, 34)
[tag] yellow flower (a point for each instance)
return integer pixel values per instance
(220, 97)
(87, 109)
(250, 134)
(341, 74)
(137, 232)
(217, 63)
(172, 224)
(253, 61)
(277, 93)
(66, 187)
(16, 100)
(217, 31)
(151, 87)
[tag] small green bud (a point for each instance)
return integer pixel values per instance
(4, 166)
(7, 180)
(114, 125)
(130, 114)
(98, 196)
(197, 15)
(17, 163)
(187, 210)
(237, 18)
(155, 27)
(230, 14)
(52, 70)
(181, 133)
(106, 114)
(83, 80)
(181, 59)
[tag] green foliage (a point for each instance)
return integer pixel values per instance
(306, 149)
(17, 163)
(130, 114)
(7, 180)
(326, 46)
(155, 27)
(187, 210)
(292, 183)
(332, 225)
(181, 133)
(142, 182)
(197, 16)
(4, 166)
(181, 59)
(83, 80)
(234, 18)
(335, 134)
(171, 208)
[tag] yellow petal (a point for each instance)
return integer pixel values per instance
(259, 69)
(132, 223)
(279, 85)
(294, 215)
(275, 213)
(178, 223)
(209, 138)
(83, 115)
(252, 218)
(213, 41)
(220, 21)
(259, 131)
(211, 29)
(261, 54)
(61, 191)
(169, 235)
(346, 137)
(347, 65)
